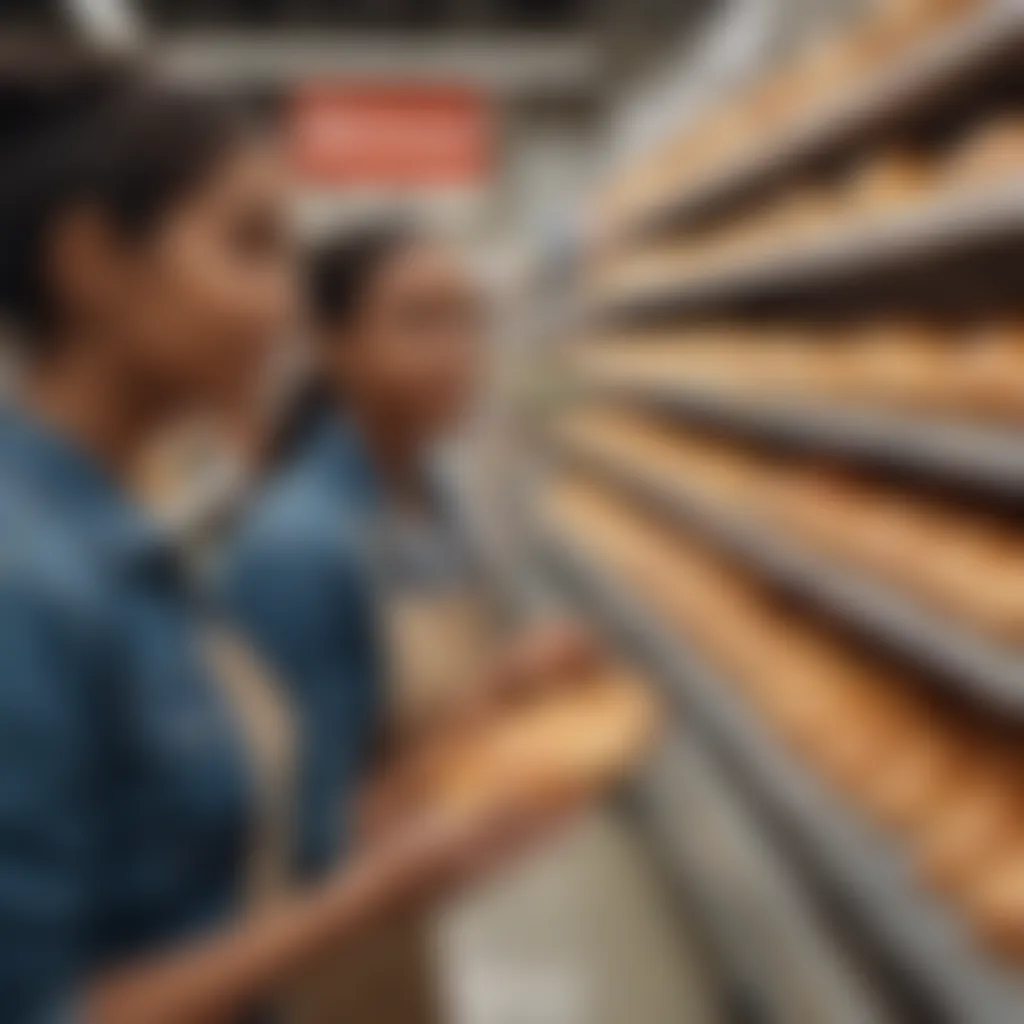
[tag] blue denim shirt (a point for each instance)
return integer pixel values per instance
(298, 582)
(124, 799)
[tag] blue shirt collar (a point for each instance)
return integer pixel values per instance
(339, 453)
(78, 489)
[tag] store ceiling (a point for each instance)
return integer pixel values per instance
(609, 21)
(389, 14)
(522, 48)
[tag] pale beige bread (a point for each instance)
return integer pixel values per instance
(577, 740)
(874, 715)
(908, 365)
(994, 905)
(824, 66)
(908, 793)
(992, 154)
(975, 574)
(991, 369)
(655, 451)
(981, 818)
(968, 567)
(889, 181)
(951, 790)
(903, 364)
(803, 87)
(569, 742)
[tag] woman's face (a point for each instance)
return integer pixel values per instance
(414, 349)
(196, 308)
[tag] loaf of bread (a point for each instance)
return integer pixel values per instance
(888, 181)
(995, 904)
(990, 369)
(980, 819)
(572, 741)
(992, 154)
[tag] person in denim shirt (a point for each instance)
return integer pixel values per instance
(146, 266)
(124, 792)
(360, 533)
(299, 584)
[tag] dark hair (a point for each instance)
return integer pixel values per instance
(342, 268)
(80, 126)
(339, 273)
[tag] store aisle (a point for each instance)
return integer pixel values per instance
(580, 935)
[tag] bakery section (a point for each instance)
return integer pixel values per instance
(751, 410)
(780, 463)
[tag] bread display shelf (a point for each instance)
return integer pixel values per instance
(971, 668)
(949, 223)
(955, 55)
(757, 917)
(987, 460)
(946, 976)
(683, 784)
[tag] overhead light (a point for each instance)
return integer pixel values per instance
(111, 22)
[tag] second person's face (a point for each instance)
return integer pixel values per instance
(413, 352)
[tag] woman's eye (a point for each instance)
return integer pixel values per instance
(440, 315)
(258, 235)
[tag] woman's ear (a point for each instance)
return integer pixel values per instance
(334, 358)
(86, 262)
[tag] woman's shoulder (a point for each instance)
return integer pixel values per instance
(293, 513)
(293, 530)
(292, 573)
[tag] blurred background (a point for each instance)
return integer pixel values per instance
(756, 413)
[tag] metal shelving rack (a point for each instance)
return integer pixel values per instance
(987, 460)
(966, 664)
(946, 223)
(824, 856)
(779, 960)
(783, 960)
(954, 55)
(943, 977)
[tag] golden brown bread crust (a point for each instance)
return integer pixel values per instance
(947, 785)
(572, 740)
(580, 738)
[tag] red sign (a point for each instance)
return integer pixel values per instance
(380, 135)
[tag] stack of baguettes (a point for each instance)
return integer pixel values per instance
(957, 371)
(948, 785)
(801, 90)
(672, 247)
(966, 566)
(573, 738)
(874, 189)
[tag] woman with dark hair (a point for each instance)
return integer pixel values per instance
(145, 269)
(354, 576)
